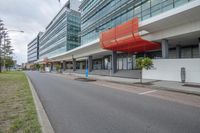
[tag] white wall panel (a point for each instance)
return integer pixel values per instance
(169, 69)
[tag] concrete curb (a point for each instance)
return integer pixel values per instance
(176, 90)
(111, 79)
(42, 116)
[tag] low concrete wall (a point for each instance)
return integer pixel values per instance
(128, 74)
(170, 69)
(121, 73)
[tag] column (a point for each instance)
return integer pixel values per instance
(64, 65)
(114, 62)
(102, 64)
(199, 47)
(51, 66)
(165, 49)
(90, 63)
(178, 51)
(61, 65)
(74, 64)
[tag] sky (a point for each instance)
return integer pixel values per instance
(31, 16)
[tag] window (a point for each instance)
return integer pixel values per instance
(167, 5)
(155, 7)
(146, 10)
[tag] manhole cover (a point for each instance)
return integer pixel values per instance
(85, 79)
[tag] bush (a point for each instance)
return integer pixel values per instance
(42, 68)
(37, 66)
(58, 67)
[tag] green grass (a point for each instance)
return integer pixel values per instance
(17, 109)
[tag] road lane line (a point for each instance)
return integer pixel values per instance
(147, 92)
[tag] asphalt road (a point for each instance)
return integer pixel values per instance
(80, 107)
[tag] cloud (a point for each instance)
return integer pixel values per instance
(31, 16)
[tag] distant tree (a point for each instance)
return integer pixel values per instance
(144, 63)
(42, 68)
(37, 66)
(8, 62)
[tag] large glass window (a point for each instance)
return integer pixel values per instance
(142, 9)
(130, 63)
(137, 12)
(125, 63)
(179, 2)
(155, 7)
(146, 10)
(167, 5)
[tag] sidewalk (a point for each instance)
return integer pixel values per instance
(153, 84)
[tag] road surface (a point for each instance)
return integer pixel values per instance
(81, 107)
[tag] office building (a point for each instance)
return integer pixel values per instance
(33, 50)
(116, 32)
(61, 34)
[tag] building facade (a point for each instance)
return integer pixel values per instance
(98, 16)
(33, 50)
(173, 24)
(116, 32)
(61, 34)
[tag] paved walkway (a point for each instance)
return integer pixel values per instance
(154, 84)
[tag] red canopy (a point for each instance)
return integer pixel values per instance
(126, 38)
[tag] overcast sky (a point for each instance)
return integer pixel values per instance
(31, 16)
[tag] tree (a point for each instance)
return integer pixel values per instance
(37, 66)
(5, 47)
(144, 63)
(8, 62)
(42, 67)
(2, 31)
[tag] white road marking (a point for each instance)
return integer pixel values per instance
(147, 92)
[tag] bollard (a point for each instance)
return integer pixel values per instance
(183, 74)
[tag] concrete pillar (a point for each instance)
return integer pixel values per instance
(74, 64)
(102, 64)
(178, 51)
(165, 49)
(64, 65)
(199, 47)
(114, 62)
(61, 65)
(81, 65)
(89, 63)
(51, 66)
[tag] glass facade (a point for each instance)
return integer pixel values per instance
(98, 15)
(61, 34)
(33, 50)
(124, 62)
(73, 28)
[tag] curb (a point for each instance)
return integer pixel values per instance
(42, 116)
(147, 86)
(176, 90)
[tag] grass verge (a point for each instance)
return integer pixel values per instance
(17, 109)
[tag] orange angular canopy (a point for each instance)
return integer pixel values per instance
(126, 38)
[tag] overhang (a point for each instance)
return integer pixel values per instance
(126, 38)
